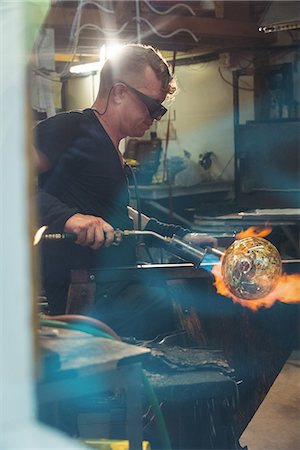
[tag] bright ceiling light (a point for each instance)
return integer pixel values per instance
(111, 49)
(106, 51)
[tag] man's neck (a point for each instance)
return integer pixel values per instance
(113, 136)
(109, 124)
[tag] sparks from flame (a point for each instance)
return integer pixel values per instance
(286, 291)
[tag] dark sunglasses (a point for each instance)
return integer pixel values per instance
(155, 108)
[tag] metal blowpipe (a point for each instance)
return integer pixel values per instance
(173, 244)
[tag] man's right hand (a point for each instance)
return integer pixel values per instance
(91, 231)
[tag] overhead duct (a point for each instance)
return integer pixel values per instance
(280, 16)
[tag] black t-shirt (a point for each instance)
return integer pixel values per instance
(87, 177)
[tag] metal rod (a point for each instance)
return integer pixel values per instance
(119, 234)
(215, 251)
(197, 252)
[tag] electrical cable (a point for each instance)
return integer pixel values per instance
(91, 26)
(46, 74)
(165, 162)
(228, 82)
(147, 385)
(137, 196)
(224, 168)
(106, 106)
(167, 11)
(246, 66)
(98, 5)
(249, 60)
(78, 15)
(74, 34)
(165, 439)
(110, 33)
(76, 21)
(88, 26)
(166, 36)
(77, 318)
(76, 327)
(76, 30)
(138, 22)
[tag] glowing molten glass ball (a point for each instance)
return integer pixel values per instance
(251, 268)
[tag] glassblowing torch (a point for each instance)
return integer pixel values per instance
(173, 244)
(250, 267)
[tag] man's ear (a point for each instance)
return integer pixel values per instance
(118, 93)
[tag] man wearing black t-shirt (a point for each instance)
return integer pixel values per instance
(83, 190)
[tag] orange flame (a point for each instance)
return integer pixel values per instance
(254, 232)
(287, 289)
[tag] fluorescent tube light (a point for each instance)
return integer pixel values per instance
(86, 68)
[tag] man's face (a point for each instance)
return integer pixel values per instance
(137, 118)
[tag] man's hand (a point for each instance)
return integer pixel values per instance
(200, 239)
(91, 231)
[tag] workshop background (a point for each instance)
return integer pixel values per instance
(225, 158)
(237, 65)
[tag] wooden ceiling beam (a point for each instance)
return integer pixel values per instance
(206, 26)
(200, 26)
(61, 37)
(90, 43)
(211, 33)
(237, 10)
